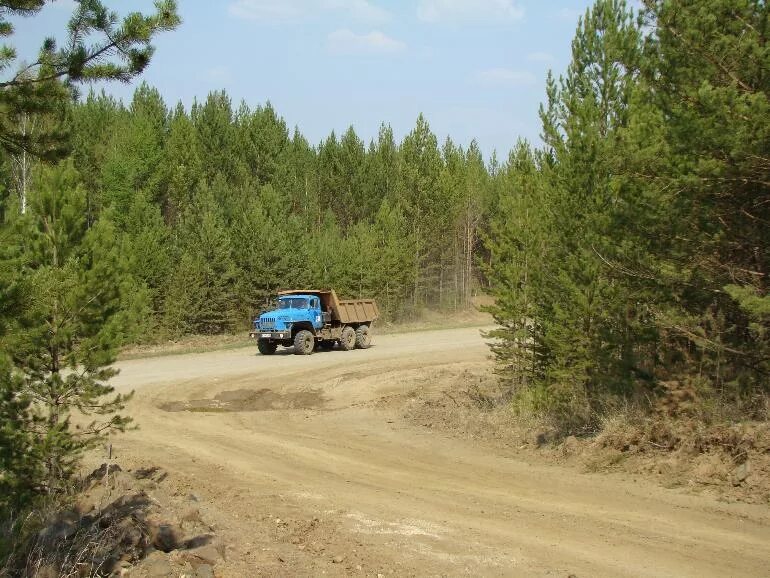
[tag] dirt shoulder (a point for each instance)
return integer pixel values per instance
(326, 464)
(729, 462)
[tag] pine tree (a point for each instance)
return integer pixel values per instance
(452, 184)
(351, 201)
(362, 264)
(68, 299)
(263, 140)
(570, 332)
(302, 178)
(182, 166)
(392, 263)
(470, 213)
(132, 164)
(98, 47)
(201, 290)
(94, 123)
(20, 466)
(146, 247)
(213, 121)
(382, 169)
(330, 172)
(706, 78)
(270, 249)
(519, 243)
(330, 257)
(419, 192)
(81, 305)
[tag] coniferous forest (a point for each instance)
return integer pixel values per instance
(627, 253)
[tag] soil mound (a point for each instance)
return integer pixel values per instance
(251, 400)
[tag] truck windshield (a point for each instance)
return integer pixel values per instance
(292, 303)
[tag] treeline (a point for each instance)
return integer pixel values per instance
(630, 253)
(218, 207)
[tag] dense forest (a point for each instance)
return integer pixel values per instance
(627, 253)
(218, 207)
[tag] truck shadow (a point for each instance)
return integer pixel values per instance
(289, 351)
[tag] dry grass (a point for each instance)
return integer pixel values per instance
(730, 459)
(55, 540)
(110, 524)
(185, 345)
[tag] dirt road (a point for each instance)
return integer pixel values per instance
(304, 467)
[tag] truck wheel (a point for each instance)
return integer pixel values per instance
(348, 338)
(266, 347)
(363, 337)
(304, 342)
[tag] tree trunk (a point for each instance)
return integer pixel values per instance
(22, 163)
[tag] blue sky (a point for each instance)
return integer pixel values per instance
(474, 68)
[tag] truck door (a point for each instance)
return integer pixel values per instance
(315, 307)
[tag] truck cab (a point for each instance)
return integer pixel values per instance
(294, 312)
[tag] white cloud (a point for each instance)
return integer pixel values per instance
(272, 11)
(465, 11)
(361, 10)
(505, 77)
(540, 57)
(375, 42)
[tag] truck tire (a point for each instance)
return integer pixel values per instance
(363, 337)
(348, 338)
(266, 347)
(304, 342)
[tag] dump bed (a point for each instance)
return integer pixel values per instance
(346, 311)
(357, 311)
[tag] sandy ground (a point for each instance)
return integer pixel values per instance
(303, 468)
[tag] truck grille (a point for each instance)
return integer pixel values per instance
(267, 323)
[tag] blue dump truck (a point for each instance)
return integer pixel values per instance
(306, 319)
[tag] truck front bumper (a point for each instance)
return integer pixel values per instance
(275, 335)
